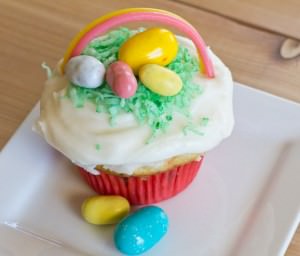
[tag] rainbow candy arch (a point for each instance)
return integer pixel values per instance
(105, 23)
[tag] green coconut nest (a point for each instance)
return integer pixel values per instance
(149, 108)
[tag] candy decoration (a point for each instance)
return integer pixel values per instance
(103, 24)
(160, 80)
(104, 18)
(101, 210)
(85, 71)
(141, 231)
(121, 79)
(155, 45)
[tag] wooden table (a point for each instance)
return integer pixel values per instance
(247, 35)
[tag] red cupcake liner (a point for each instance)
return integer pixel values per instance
(144, 189)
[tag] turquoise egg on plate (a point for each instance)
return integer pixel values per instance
(141, 231)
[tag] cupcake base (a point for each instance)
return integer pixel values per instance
(141, 190)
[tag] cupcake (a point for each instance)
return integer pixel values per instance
(137, 109)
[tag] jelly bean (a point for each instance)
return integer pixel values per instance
(141, 231)
(155, 45)
(104, 209)
(121, 79)
(160, 80)
(85, 71)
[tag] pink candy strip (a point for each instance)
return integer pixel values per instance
(182, 26)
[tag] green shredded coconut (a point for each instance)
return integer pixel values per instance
(105, 48)
(204, 121)
(98, 147)
(149, 108)
(48, 70)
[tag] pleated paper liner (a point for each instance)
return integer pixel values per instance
(142, 190)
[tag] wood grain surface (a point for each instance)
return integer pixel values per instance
(282, 17)
(34, 31)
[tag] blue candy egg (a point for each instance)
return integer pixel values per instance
(141, 231)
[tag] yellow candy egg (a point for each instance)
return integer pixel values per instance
(153, 46)
(101, 210)
(160, 80)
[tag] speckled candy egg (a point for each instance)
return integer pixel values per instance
(102, 210)
(85, 71)
(141, 231)
(120, 78)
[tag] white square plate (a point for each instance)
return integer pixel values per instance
(245, 201)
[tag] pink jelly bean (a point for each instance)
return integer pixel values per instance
(121, 79)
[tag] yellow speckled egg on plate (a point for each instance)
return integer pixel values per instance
(101, 210)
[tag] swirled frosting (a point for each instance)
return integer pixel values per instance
(87, 138)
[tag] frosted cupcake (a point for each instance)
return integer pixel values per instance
(136, 110)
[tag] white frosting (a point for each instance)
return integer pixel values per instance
(85, 71)
(76, 131)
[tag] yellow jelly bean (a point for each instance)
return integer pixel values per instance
(153, 46)
(160, 80)
(105, 209)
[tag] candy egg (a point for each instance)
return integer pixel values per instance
(104, 209)
(155, 45)
(121, 79)
(85, 71)
(160, 80)
(141, 231)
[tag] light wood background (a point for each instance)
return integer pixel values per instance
(246, 34)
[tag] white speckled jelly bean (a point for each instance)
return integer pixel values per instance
(85, 71)
(141, 231)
